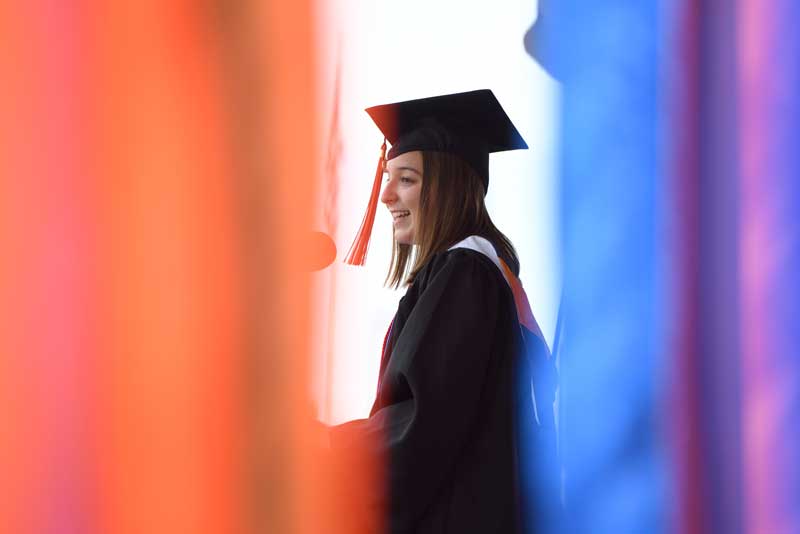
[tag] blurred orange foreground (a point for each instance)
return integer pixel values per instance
(156, 168)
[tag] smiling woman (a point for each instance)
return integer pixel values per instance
(401, 194)
(453, 420)
(450, 206)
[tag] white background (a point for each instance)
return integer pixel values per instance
(393, 51)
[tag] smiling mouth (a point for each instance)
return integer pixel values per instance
(400, 214)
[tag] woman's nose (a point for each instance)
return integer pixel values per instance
(388, 195)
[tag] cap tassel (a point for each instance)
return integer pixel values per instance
(357, 254)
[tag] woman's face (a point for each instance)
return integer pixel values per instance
(401, 194)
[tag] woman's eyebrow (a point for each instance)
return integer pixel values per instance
(408, 169)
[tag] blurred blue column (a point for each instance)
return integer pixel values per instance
(611, 355)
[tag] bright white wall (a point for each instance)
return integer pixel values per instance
(392, 51)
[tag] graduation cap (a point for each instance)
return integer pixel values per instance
(469, 125)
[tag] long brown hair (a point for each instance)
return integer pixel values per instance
(451, 208)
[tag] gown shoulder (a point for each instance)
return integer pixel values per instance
(455, 262)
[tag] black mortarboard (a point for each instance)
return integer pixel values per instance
(470, 125)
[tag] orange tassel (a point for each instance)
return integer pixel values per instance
(357, 254)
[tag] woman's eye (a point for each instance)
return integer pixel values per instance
(406, 180)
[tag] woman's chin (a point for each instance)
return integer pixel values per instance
(403, 237)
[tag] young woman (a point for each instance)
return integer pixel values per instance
(454, 421)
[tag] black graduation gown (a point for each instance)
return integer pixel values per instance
(453, 389)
